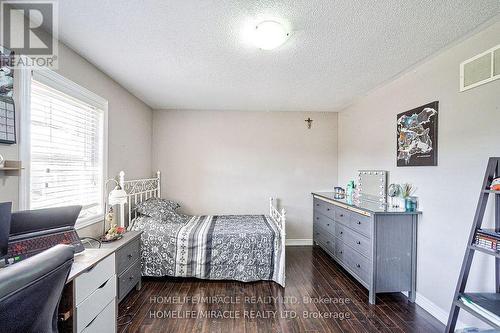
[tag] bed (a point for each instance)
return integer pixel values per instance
(217, 247)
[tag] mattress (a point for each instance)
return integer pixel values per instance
(217, 247)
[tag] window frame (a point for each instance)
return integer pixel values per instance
(64, 85)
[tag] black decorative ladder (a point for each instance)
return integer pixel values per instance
(492, 171)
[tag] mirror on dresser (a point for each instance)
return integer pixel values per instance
(372, 185)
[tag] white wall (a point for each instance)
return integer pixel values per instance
(468, 134)
(217, 162)
(130, 122)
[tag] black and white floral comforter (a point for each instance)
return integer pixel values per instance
(221, 247)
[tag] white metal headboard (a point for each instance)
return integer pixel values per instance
(138, 190)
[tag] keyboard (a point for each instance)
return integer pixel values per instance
(24, 248)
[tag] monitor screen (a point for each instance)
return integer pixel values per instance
(5, 214)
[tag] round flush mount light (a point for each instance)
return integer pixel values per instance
(269, 35)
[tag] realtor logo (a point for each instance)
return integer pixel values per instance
(29, 30)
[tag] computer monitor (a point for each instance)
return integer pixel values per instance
(5, 216)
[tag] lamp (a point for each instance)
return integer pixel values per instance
(269, 35)
(117, 196)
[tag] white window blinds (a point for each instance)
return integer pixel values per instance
(66, 150)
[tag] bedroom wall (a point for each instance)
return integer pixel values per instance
(129, 130)
(229, 162)
(468, 135)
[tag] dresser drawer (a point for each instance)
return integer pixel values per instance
(325, 223)
(129, 279)
(357, 241)
(324, 208)
(91, 280)
(104, 321)
(342, 215)
(340, 231)
(361, 223)
(128, 255)
(358, 264)
(353, 260)
(339, 251)
(324, 239)
(318, 235)
(95, 303)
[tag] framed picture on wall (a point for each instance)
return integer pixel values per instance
(417, 136)
(7, 109)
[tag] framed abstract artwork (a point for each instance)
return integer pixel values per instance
(417, 136)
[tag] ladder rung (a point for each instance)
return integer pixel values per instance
(480, 249)
(491, 191)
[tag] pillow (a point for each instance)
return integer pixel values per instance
(158, 208)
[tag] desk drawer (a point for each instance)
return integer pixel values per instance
(90, 281)
(89, 309)
(104, 321)
(129, 279)
(127, 255)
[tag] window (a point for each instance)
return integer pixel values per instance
(67, 146)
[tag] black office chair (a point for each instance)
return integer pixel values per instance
(30, 291)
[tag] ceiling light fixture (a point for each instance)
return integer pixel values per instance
(269, 35)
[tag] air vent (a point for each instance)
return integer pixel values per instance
(481, 69)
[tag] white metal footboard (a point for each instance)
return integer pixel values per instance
(280, 220)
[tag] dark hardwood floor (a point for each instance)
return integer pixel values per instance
(333, 302)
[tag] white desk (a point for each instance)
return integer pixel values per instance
(89, 302)
(92, 291)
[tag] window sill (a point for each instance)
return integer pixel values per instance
(88, 222)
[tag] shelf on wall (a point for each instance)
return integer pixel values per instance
(11, 166)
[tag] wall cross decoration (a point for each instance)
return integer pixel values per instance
(309, 122)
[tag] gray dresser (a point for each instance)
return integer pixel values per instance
(377, 246)
(128, 262)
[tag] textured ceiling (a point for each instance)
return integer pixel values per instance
(188, 54)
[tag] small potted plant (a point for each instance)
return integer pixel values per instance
(407, 191)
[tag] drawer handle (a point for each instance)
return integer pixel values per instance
(90, 268)
(341, 215)
(341, 232)
(328, 209)
(317, 218)
(328, 224)
(359, 222)
(102, 285)
(341, 252)
(317, 233)
(358, 265)
(129, 255)
(358, 242)
(91, 321)
(317, 205)
(131, 277)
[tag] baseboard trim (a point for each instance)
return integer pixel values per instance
(435, 310)
(298, 242)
